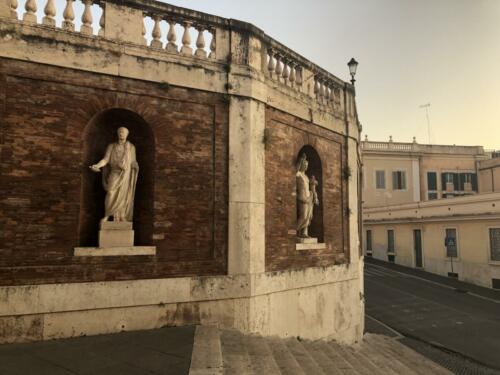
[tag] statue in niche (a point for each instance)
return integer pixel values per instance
(307, 197)
(119, 177)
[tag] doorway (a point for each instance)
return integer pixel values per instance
(417, 245)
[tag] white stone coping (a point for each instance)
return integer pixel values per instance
(114, 251)
(50, 298)
(310, 246)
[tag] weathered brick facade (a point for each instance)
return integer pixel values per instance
(286, 136)
(48, 117)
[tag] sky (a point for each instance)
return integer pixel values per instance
(410, 53)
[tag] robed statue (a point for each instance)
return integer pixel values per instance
(119, 178)
(307, 197)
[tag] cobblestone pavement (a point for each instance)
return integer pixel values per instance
(432, 316)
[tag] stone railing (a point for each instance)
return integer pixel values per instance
(169, 29)
(415, 147)
(290, 69)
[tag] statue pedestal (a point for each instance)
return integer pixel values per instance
(116, 238)
(310, 243)
(307, 240)
(116, 234)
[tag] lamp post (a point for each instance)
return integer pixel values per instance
(353, 65)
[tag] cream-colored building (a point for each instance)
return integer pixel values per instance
(407, 221)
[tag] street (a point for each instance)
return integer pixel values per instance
(434, 312)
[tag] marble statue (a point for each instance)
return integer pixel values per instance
(119, 177)
(307, 197)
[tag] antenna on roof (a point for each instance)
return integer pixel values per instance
(427, 106)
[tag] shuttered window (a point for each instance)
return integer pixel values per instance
(398, 180)
(380, 179)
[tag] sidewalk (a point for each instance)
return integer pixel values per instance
(460, 286)
(160, 351)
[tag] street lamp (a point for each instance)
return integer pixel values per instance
(353, 65)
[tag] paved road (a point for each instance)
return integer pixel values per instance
(434, 312)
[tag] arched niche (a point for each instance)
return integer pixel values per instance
(100, 132)
(315, 169)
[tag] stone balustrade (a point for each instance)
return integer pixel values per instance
(420, 148)
(90, 8)
(172, 30)
(290, 69)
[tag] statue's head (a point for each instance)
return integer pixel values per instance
(302, 163)
(122, 133)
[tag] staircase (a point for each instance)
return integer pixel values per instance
(218, 351)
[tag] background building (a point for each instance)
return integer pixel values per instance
(433, 207)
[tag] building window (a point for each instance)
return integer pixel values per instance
(390, 241)
(398, 180)
(432, 186)
(450, 182)
(451, 243)
(380, 179)
(368, 240)
(495, 244)
(468, 182)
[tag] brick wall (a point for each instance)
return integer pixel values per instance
(286, 136)
(46, 190)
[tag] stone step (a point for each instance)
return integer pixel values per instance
(410, 358)
(231, 352)
(235, 357)
(304, 359)
(206, 358)
(286, 362)
(316, 350)
(261, 356)
(386, 360)
(379, 359)
(352, 359)
(363, 359)
(341, 363)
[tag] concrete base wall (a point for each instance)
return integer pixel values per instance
(312, 303)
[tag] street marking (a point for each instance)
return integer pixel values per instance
(433, 282)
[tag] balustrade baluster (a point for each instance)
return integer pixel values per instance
(278, 69)
(86, 27)
(332, 96)
(13, 9)
(316, 87)
(102, 23)
(292, 74)
(298, 76)
(69, 16)
(270, 65)
(143, 32)
(200, 43)
(50, 13)
(285, 73)
(213, 45)
(186, 40)
(30, 8)
(171, 38)
(156, 34)
(327, 93)
(321, 91)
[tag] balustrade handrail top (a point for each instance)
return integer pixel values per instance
(179, 13)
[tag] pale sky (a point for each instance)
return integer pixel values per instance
(410, 52)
